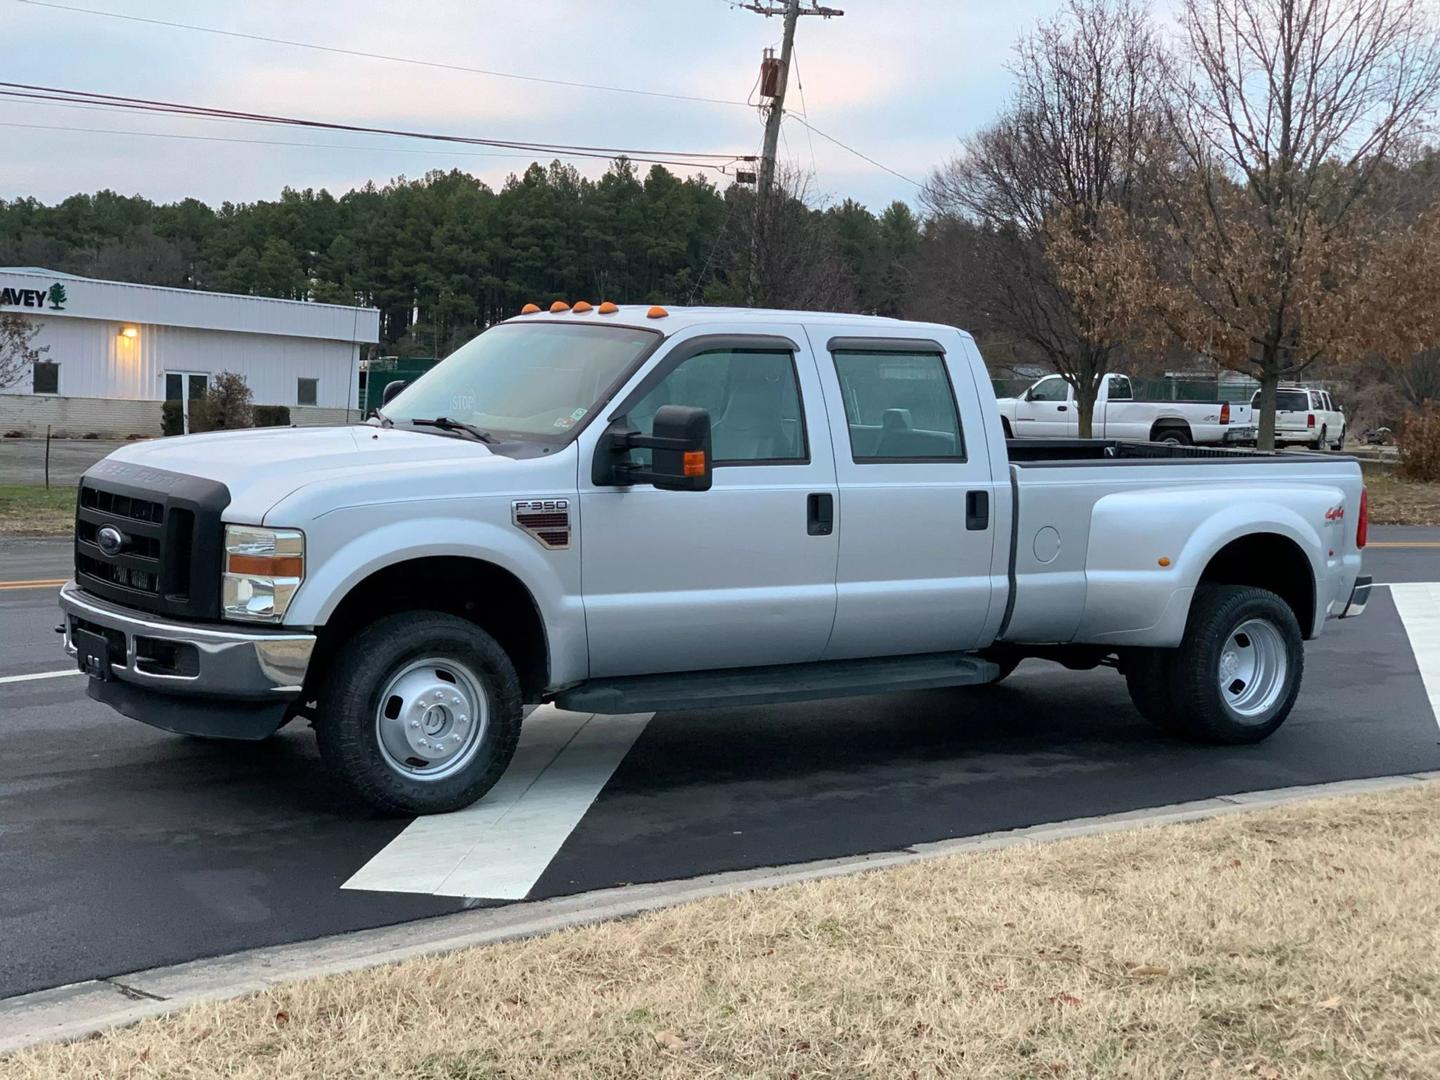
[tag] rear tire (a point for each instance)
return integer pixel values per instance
(422, 714)
(1320, 443)
(1172, 436)
(1148, 678)
(1236, 674)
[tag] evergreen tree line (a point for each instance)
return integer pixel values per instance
(444, 256)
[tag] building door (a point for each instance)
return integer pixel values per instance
(186, 387)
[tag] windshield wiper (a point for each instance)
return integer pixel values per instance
(444, 423)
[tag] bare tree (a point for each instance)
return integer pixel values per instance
(1074, 140)
(779, 251)
(18, 352)
(1285, 114)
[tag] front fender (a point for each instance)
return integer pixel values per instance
(1131, 599)
(346, 546)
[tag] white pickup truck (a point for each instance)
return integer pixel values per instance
(1048, 410)
(618, 509)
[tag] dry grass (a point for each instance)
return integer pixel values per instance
(1297, 942)
(36, 511)
(1396, 501)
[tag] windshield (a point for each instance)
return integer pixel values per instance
(539, 380)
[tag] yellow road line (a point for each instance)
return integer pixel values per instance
(48, 584)
(1403, 544)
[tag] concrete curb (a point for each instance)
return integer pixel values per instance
(81, 1009)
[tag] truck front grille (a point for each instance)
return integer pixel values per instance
(168, 555)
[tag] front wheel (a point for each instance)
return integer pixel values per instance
(1236, 674)
(422, 714)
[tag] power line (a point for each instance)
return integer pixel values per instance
(681, 158)
(341, 51)
(271, 142)
(843, 146)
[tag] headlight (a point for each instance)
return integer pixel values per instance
(263, 568)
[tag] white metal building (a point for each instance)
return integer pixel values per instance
(116, 351)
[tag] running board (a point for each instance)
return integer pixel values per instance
(738, 687)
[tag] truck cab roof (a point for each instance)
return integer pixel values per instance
(683, 318)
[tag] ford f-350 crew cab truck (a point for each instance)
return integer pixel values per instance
(621, 510)
(1048, 410)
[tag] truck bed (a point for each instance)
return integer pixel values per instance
(1058, 452)
(1107, 548)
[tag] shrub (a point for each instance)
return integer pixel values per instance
(172, 419)
(226, 405)
(272, 415)
(1419, 443)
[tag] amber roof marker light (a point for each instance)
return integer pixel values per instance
(608, 308)
(530, 309)
(657, 312)
(559, 306)
(582, 306)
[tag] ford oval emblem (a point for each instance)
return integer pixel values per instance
(110, 540)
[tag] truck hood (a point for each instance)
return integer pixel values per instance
(261, 466)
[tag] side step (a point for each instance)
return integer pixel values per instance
(736, 687)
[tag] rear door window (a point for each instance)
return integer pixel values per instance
(899, 407)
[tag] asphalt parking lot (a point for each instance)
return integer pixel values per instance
(126, 848)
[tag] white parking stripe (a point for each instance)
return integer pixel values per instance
(1419, 606)
(40, 675)
(498, 848)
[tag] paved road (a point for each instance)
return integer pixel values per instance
(22, 461)
(124, 847)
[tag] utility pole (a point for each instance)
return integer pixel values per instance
(791, 11)
(774, 79)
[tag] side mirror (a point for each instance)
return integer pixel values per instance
(1029, 394)
(679, 446)
(392, 391)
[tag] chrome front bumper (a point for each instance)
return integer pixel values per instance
(1359, 597)
(242, 665)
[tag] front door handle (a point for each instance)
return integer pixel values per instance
(1061, 408)
(820, 513)
(977, 510)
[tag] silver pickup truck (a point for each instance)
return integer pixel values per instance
(618, 509)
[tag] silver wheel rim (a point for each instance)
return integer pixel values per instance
(1252, 670)
(431, 719)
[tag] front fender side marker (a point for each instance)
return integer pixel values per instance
(1164, 560)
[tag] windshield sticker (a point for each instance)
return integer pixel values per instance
(578, 414)
(565, 422)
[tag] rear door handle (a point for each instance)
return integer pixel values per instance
(977, 510)
(820, 513)
(1061, 408)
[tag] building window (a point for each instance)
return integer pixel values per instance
(306, 391)
(46, 377)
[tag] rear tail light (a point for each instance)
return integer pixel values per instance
(1225, 413)
(1310, 420)
(1362, 527)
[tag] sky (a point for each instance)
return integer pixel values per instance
(900, 80)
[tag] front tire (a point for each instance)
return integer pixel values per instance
(1237, 672)
(422, 714)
